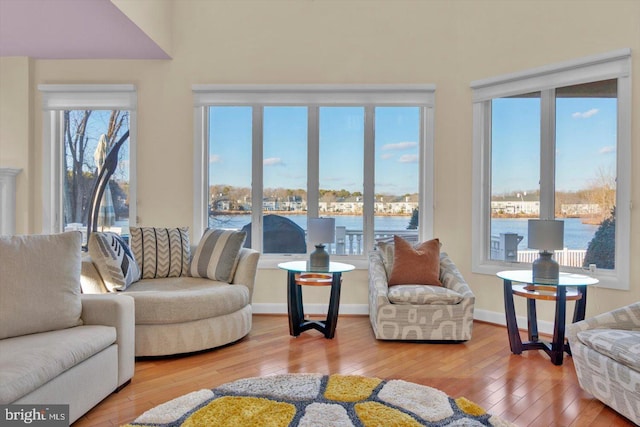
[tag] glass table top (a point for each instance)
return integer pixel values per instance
(565, 279)
(304, 267)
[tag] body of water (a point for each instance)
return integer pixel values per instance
(576, 234)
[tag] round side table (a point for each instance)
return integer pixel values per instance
(300, 273)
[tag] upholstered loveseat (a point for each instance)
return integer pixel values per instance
(419, 312)
(185, 314)
(606, 355)
(56, 345)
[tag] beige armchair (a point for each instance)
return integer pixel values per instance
(420, 312)
(606, 355)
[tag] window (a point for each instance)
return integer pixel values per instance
(554, 143)
(361, 155)
(81, 125)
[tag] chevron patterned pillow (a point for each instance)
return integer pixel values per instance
(114, 261)
(161, 252)
(217, 254)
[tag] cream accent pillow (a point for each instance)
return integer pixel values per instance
(217, 254)
(39, 283)
(415, 266)
(161, 252)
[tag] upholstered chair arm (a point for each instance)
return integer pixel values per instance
(115, 310)
(451, 277)
(378, 286)
(247, 268)
(626, 318)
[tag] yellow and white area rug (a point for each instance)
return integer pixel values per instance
(317, 400)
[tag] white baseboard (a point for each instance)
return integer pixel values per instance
(313, 309)
(544, 326)
(495, 317)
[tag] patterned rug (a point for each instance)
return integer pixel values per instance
(317, 400)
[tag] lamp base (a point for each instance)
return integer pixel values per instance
(545, 270)
(319, 259)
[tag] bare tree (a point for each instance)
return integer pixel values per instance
(602, 191)
(78, 163)
(76, 140)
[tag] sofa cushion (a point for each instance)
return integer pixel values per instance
(41, 273)
(114, 260)
(217, 254)
(419, 265)
(177, 300)
(423, 294)
(620, 345)
(30, 361)
(161, 252)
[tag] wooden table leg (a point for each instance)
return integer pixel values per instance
(334, 305)
(581, 305)
(557, 345)
(532, 319)
(294, 304)
(515, 342)
(578, 311)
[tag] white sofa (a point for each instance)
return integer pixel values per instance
(56, 345)
(606, 355)
(178, 315)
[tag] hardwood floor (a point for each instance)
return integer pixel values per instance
(526, 390)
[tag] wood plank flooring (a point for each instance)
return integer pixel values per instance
(527, 389)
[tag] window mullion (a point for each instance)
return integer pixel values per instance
(257, 134)
(200, 172)
(313, 164)
(547, 153)
(369, 177)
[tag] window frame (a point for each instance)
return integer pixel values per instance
(314, 97)
(611, 65)
(59, 97)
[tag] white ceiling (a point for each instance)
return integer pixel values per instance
(72, 29)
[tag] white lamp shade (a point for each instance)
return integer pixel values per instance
(322, 230)
(545, 234)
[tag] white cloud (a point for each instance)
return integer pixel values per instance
(215, 158)
(408, 158)
(585, 114)
(273, 161)
(608, 149)
(400, 146)
(386, 156)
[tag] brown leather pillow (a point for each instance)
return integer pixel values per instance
(415, 266)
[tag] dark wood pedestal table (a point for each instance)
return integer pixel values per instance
(569, 287)
(299, 273)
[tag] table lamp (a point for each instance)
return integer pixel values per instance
(321, 231)
(545, 235)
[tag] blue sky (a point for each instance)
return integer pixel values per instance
(585, 142)
(585, 145)
(341, 148)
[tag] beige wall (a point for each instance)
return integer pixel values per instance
(448, 43)
(16, 133)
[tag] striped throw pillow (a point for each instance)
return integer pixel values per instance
(161, 252)
(113, 260)
(217, 254)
